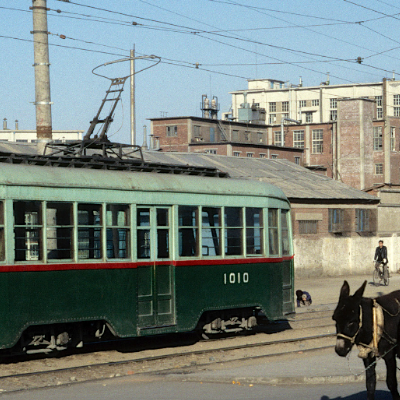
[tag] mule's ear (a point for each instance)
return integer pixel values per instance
(359, 293)
(344, 291)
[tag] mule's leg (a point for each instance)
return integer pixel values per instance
(370, 377)
(391, 379)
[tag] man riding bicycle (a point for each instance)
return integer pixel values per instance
(381, 256)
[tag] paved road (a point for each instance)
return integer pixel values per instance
(132, 388)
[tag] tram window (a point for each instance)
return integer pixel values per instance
(273, 231)
(28, 230)
(89, 231)
(118, 231)
(233, 231)
(143, 232)
(59, 231)
(188, 231)
(285, 232)
(211, 231)
(2, 240)
(254, 231)
(162, 232)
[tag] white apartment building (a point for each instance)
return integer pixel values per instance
(30, 136)
(314, 104)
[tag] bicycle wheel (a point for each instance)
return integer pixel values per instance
(385, 275)
(375, 277)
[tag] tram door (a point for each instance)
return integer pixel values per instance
(156, 300)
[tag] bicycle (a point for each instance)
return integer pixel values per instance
(381, 273)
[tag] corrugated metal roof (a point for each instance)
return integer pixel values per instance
(296, 181)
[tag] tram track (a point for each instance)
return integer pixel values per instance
(83, 367)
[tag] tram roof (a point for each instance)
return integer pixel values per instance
(56, 177)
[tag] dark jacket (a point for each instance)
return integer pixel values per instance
(381, 253)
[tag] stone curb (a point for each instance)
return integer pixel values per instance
(286, 381)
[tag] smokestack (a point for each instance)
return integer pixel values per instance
(4, 123)
(16, 125)
(42, 70)
(144, 145)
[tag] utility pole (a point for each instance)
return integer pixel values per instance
(42, 70)
(133, 105)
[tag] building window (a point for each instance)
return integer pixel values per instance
(26, 141)
(396, 111)
(392, 138)
(274, 156)
(236, 153)
(333, 103)
(335, 223)
(309, 117)
(396, 99)
(379, 109)
(333, 115)
(317, 141)
(315, 102)
(210, 151)
(378, 169)
(260, 137)
(212, 135)
(285, 115)
(297, 160)
(362, 220)
(235, 135)
(262, 155)
(298, 139)
(302, 103)
(172, 130)
(250, 155)
(285, 106)
(196, 131)
(308, 227)
(272, 119)
(278, 138)
(272, 107)
(377, 138)
(246, 136)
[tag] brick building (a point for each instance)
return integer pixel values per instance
(357, 149)
(222, 137)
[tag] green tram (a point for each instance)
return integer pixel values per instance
(90, 253)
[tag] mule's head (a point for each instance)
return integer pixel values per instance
(347, 318)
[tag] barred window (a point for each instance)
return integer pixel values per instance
(377, 138)
(362, 220)
(89, 231)
(308, 227)
(317, 141)
(298, 139)
(335, 223)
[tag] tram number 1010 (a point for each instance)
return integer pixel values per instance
(238, 277)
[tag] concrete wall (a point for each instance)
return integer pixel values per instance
(342, 256)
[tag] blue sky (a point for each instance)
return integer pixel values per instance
(232, 40)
